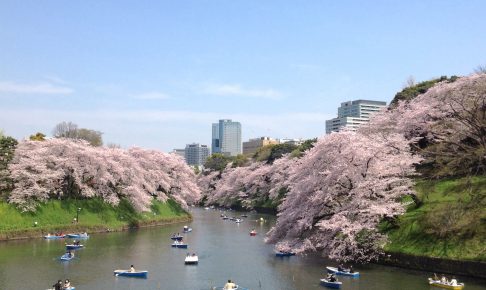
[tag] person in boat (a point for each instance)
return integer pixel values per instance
(443, 279)
(340, 268)
(351, 270)
(132, 269)
(58, 285)
(229, 285)
(67, 284)
(436, 278)
(193, 254)
(70, 254)
(453, 281)
(332, 278)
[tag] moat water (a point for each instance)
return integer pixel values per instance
(225, 250)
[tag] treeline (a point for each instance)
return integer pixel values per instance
(75, 165)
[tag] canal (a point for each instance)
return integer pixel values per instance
(225, 250)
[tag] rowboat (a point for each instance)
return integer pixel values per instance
(181, 245)
(68, 288)
(74, 247)
(187, 230)
(446, 285)
(222, 288)
(329, 284)
(78, 236)
(253, 233)
(177, 238)
(191, 260)
(284, 254)
(54, 237)
(243, 215)
(238, 221)
(343, 273)
(66, 257)
(128, 273)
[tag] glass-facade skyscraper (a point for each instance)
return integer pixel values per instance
(226, 137)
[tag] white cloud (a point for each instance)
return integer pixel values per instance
(43, 88)
(152, 96)
(239, 91)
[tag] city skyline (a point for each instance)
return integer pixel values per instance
(157, 75)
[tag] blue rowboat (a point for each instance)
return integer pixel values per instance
(78, 236)
(335, 285)
(66, 257)
(342, 273)
(181, 246)
(284, 254)
(69, 288)
(54, 237)
(127, 273)
(74, 247)
(177, 238)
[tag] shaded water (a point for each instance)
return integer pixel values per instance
(225, 249)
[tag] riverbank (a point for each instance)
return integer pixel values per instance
(94, 216)
(450, 223)
(437, 265)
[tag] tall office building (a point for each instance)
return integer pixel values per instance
(352, 114)
(226, 137)
(196, 154)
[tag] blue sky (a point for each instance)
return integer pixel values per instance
(156, 74)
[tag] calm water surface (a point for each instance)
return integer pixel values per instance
(225, 249)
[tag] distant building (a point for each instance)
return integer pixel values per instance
(196, 154)
(294, 141)
(251, 146)
(226, 137)
(180, 152)
(353, 114)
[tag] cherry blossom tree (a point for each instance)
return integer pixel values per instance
(447, 124)
(247, 186)
(61, 167)
(340, 190)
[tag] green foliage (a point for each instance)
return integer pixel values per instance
(263, 153)
(37, 137)
(95, 214)
(93, 137)
(411, 92)
(239, 161)
(450, 223)
(217, 162)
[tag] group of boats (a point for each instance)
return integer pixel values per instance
(332, 282)
(234, 219)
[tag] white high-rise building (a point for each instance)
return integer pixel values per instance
(196, 154)
(226, 137)
(353, 114)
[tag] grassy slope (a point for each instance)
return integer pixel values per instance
(95, 215)
(447, 225)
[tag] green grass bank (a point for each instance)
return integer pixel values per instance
(449, 224)
(94, 216)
